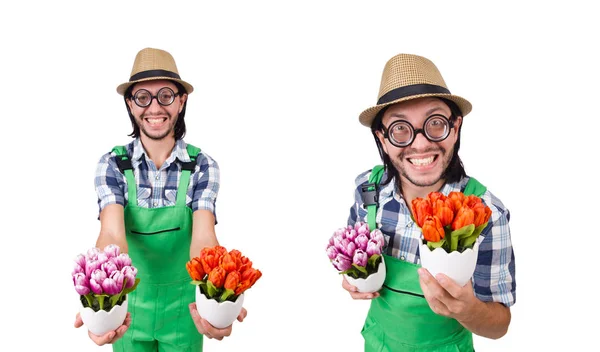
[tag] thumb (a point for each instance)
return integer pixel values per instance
(78, 322)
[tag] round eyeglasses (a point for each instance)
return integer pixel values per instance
(164, 97)
(401, 133)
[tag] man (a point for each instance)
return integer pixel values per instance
(157, 203)
(416, 125)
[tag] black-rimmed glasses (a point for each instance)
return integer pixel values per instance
(164, 97)
(401, 133)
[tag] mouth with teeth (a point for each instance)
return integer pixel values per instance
(155, 121)
(421, 162)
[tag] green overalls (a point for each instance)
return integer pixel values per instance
(400, 318)
(159, 246)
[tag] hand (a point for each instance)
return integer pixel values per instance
(447, 298)
(210, 331)
(109, 337)
(354, 291)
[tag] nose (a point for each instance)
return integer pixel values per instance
(420, 142)
(154, 105)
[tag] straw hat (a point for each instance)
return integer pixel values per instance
(406, 77)
(152, 64)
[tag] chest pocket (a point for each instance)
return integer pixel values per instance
(144, 196)
(171, 197)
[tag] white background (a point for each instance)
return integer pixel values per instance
(278, 90)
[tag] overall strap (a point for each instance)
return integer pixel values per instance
(370, 195)
(124, 164)
(474, 187)
(186, 170)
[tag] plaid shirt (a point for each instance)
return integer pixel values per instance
(157, 188)
(494, 277)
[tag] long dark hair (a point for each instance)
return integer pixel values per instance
(179, 125)
(455, 170)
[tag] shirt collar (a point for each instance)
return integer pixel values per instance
(179, 152)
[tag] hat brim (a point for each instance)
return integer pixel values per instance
(366, 117)
(123, 87)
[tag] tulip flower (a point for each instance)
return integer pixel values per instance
(351, 234)
(91, 266)
(232, 280)
(373, 247)
(377, 236)
(457, 199)
(360, 258)
(129, 273)
(122, 260)
(238, 258)
(342, 262)
(92, 253)
(348, 247)
(433, 230)
(482, 214)
(464, 217)
(435, 196)
(471, 200)
(421, 208)
(217, 276)
(442, 209)
(77, 269)
(210, 258)
(119, 278)
(195, 269)
(361, 228)
(81, 284)
(112, 250)
(361, 241)
(110, 286)
(109, 267)
(80, 260)
(332, 252)
(228, 263)
(249, 277)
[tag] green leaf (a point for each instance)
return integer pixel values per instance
(438, 244)
(131, 289)
(226, 294)
(211, 290)
(373, 262)
(362, 269)
(469, 241)
(196, 283)
(458, 234)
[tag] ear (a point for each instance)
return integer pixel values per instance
(382, 141)
(129, 104)
(457, 124)
(183, 99)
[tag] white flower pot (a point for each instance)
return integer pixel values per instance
(219, 315)
(457, 266)
(372, 283)
(101, 322)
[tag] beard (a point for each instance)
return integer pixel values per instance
(419, 180)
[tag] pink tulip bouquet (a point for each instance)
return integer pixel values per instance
(355, 251)
(104, 278)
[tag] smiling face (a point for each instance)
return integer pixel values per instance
(156, 121)
(423, 163)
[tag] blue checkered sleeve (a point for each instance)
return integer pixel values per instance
(207, 183)
(494, 276)
(109, 182)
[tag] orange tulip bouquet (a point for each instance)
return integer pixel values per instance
(451, 227)
(222, 278)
